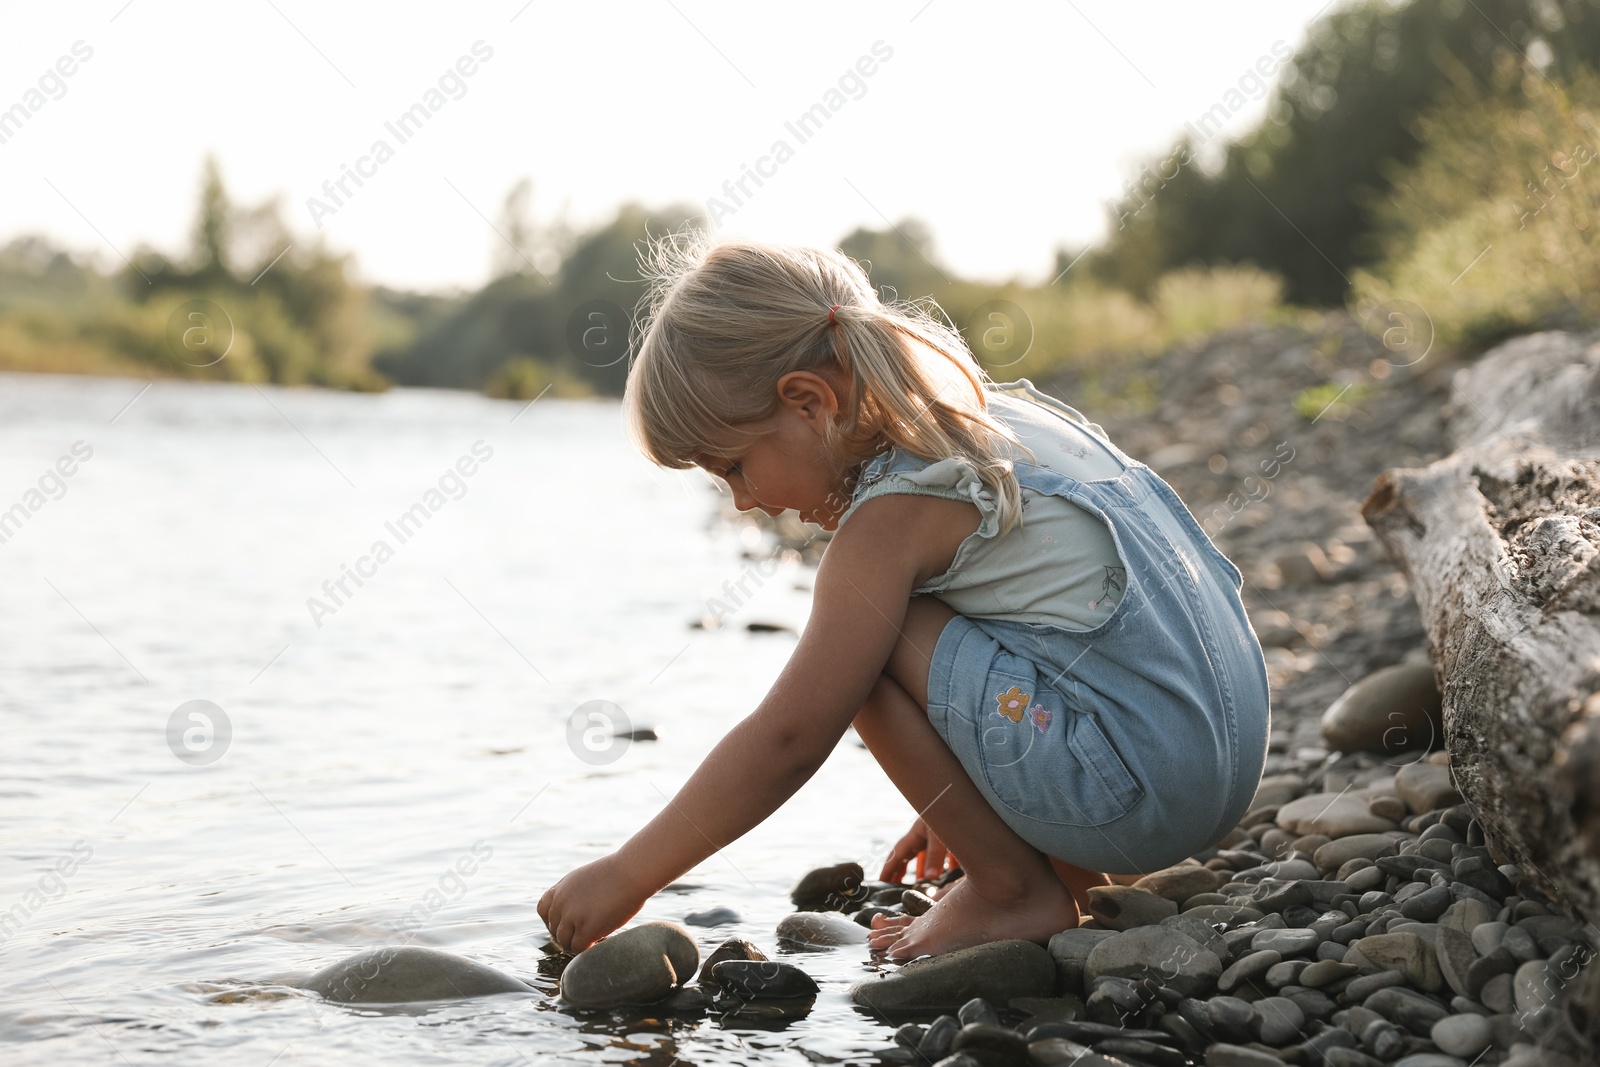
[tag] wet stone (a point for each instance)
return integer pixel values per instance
(409, 973)
(997, 972)
(761, 979)
(829, 888)
(820, 930)
(640, 965)
(1226, 1055)
(718, 916)
(916, 903)
(935, 1043)
(1142, 1052)
(734, 948)
(991, 1044)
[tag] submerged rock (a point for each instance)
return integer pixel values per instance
(407, 973)
(718, 916)
(637, 966)
(997, 972)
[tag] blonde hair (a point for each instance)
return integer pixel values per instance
(721, 322)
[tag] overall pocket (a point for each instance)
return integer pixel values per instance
(1052, 763)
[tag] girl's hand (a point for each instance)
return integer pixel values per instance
(922, 845)
(589, 903)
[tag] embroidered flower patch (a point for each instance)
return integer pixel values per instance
(1013, 702)
(1040, 716)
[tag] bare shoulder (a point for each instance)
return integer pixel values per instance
(918, 533)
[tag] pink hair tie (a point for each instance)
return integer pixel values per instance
(831, 320)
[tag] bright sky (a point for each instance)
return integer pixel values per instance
(1005, 125)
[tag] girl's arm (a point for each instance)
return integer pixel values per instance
(863, 585)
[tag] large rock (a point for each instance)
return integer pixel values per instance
(1333, 814)
(640, 965)
(1122, 907)
(820, 929)
(1391, 710)
(996, 972)
(1167, 955)
(1426, 786)
(406, 973)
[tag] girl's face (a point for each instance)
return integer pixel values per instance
(787, 468)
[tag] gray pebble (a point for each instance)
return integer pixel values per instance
(1278, 1020)
(1520, 944)
(1463, 1035)
(1285, 973)
(1427, 905)
(1285, 942)
(1486, 937)
(1246, 968)
(1324, 972)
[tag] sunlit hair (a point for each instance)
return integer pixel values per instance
(722, 321)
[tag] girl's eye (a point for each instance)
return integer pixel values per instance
(733, 469)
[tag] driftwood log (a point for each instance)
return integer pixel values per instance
(1501, 542)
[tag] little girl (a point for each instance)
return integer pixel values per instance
(1028, 628)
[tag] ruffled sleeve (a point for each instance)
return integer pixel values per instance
(952, 478)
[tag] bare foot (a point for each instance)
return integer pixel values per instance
(886, 929)
(962, 918)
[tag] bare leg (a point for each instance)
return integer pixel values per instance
(1010, 889)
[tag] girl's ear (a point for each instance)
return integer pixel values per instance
(808, 395)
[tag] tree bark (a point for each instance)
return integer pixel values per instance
(1501, 542)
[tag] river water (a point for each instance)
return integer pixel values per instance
(166, 876)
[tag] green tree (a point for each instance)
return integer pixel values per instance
(1296, 195)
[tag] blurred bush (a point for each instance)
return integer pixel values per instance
(1494, 229)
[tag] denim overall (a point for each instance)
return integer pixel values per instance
(1123, 748)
